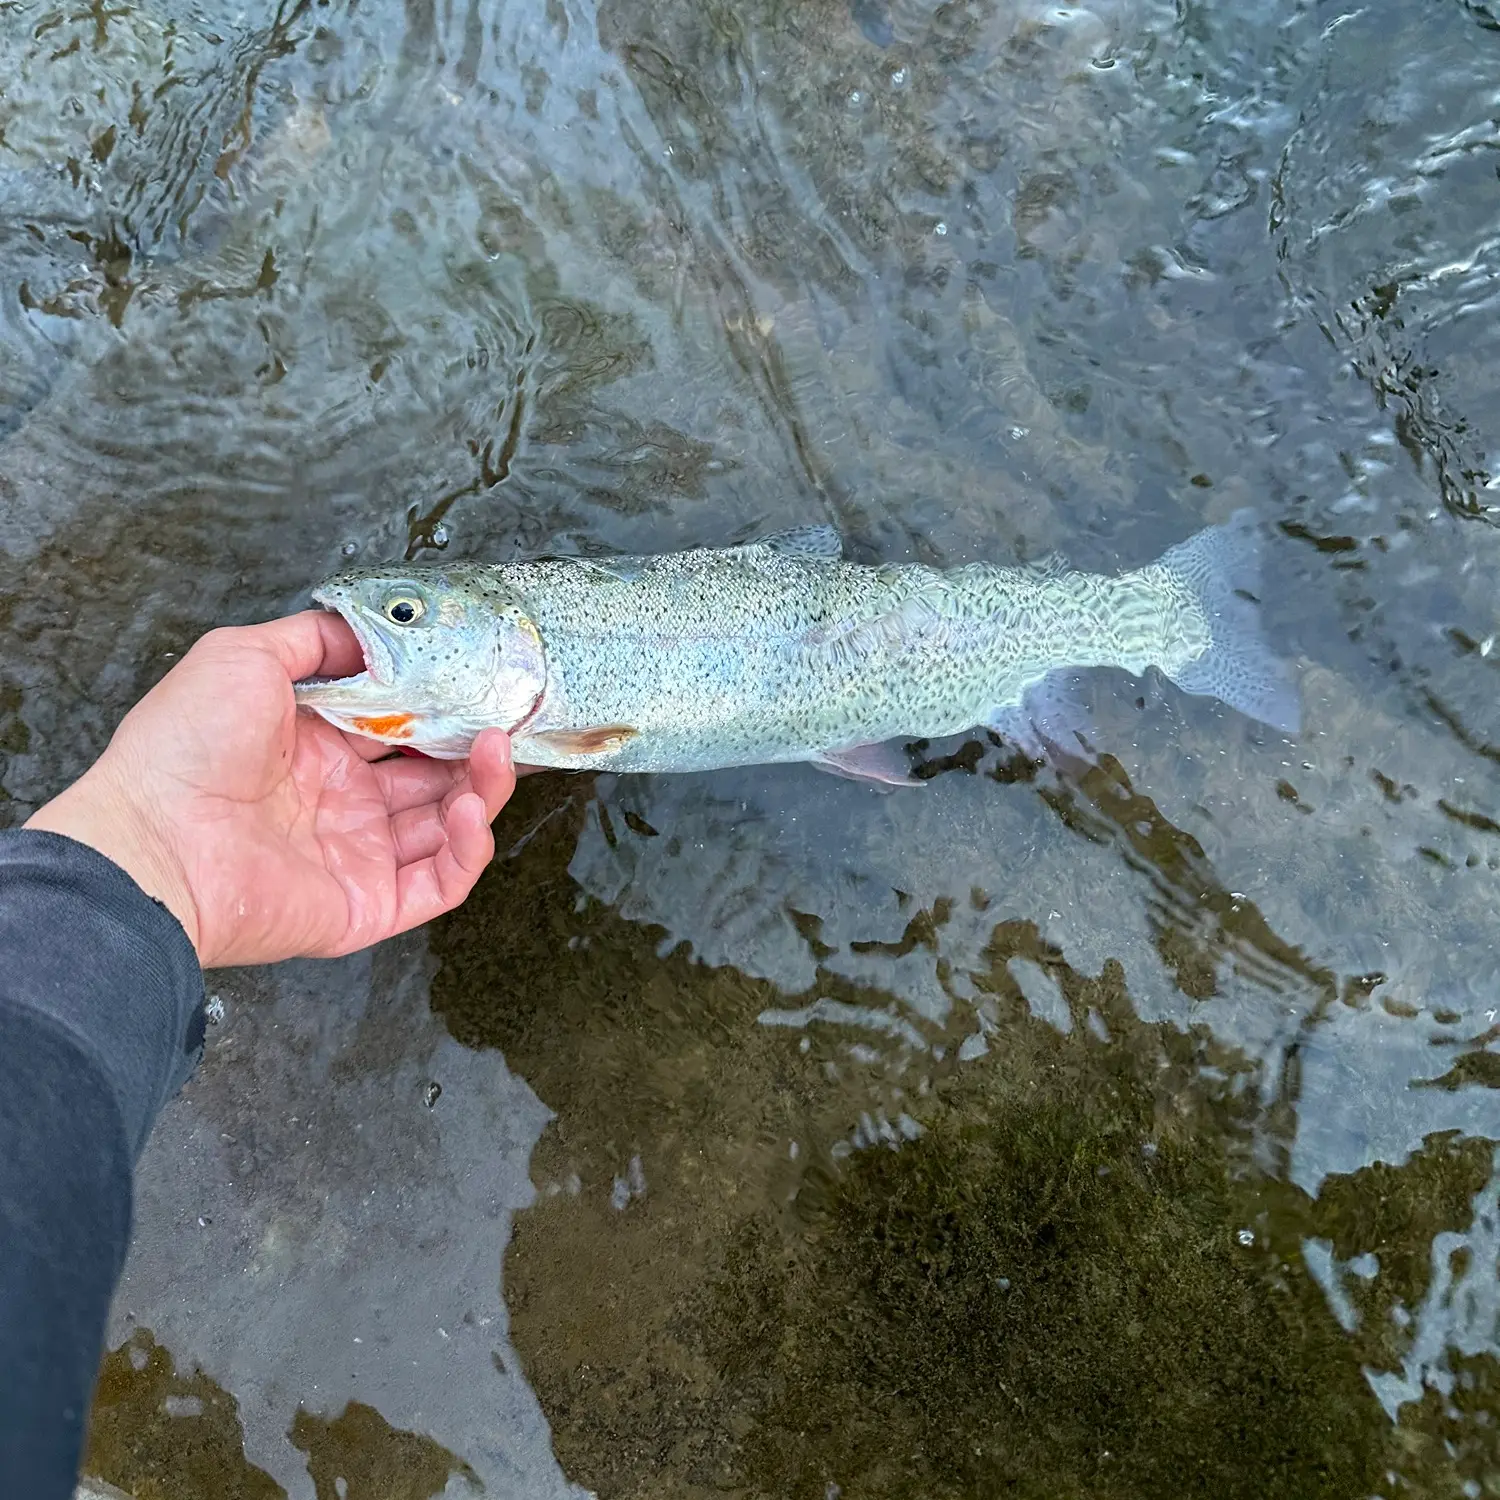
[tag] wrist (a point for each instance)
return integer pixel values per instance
(95, 812)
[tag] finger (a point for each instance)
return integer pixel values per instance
(419, 832)
(370, 749)
(431, 886)
(406, 782)
(491, 773)
(315, 643)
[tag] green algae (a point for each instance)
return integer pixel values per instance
(1084, 1276)
(358, 1455)
(161, 1434)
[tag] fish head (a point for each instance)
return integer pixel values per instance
(448, 651)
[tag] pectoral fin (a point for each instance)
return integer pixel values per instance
(884, 764)
(598, 739)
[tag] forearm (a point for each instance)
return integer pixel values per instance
(100, 1022)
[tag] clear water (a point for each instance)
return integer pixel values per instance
(1128, 1135)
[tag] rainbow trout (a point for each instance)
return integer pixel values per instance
(779, 650)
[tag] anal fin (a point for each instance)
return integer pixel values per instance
(882, 764)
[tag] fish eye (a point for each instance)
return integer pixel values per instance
(404, 609)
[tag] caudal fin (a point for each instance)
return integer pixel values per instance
(1221, 566)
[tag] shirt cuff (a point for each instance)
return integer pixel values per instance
(87, 951)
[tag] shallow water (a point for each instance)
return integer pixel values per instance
(1123, 1134)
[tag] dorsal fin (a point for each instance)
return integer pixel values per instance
(1048, 565)
(626, 569)
(806, 543)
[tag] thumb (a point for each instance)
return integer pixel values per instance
(314, 643)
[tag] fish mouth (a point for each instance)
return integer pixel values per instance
(380, 661)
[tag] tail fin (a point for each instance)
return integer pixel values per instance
(1221, 566)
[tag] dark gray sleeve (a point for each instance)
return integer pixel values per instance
(101, 1021)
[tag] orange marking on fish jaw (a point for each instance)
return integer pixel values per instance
(387, 726)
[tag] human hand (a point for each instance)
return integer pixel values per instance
(266, 832)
